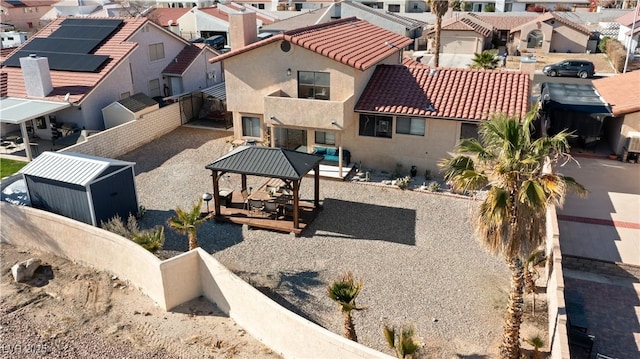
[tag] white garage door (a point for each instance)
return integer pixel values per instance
(458, 45)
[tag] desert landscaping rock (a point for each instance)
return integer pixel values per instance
(24, 270)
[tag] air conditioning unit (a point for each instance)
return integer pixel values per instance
(633, 142)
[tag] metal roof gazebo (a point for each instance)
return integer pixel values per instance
(289, 166)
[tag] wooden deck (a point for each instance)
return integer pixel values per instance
(235, 212)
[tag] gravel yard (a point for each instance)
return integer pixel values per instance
(414, 251)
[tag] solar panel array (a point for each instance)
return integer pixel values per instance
(70, 47)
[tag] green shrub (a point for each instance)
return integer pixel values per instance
(433, 186)
(602, 46)
(489, 8)
(397, 172)
(616, 52)
(403, 182)
(150, 239)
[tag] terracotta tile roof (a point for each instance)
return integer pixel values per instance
(504, 22)
(184, 59)
(353, 42)
(627, 19)
(79, 84)
(215, 12)
(407, 22)
(409, 62)
(445, 93)
(551, 16)
(621, 92)
(28, 3)
(163, 15)
(466, 23)
(4, 52)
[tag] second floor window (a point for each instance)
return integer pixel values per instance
(313, 85)
(375, 126)
(410, 126)
(325, 138)
(156, 51)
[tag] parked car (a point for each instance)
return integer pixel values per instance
(580, 68)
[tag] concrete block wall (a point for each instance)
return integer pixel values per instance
(177, 280)
(601, 267)
(119, 140)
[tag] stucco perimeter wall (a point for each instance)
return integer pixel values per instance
(290, 335)
(119, 140)
(558, 336)
(79, 242)
(177, 280)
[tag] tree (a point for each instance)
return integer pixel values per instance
(438, 8)
(531, 275)
(485, 60)
(510, 221)
(344, 291)
(188, 222)
(402, 340)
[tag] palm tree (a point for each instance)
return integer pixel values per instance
(536, 342)
(485, 60)
(531, 275)
(402, 340)
(438, 8)
(510, 221)
(344, 291)
(188, 222)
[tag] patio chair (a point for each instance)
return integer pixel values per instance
(256, 205)
(272, 208)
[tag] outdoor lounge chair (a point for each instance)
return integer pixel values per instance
(272, 208)
(255, 205)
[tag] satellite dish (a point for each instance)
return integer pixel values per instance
(66, 97)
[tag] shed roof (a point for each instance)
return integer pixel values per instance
(218, 91)
(70, 167)
(266, 161)
(137, 102)
(573, 97)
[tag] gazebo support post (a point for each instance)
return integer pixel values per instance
(243, 181)
(316, 186)
(296, 201)
(216, 192)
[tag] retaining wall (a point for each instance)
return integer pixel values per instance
(177, 280)
(122, 139)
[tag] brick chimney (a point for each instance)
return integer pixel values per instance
(243, 29)
(37, 77)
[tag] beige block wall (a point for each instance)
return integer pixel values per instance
(177, 280)
(119, 140)
(31, 228)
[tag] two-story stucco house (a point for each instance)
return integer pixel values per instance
(345, 85)
(88, 63)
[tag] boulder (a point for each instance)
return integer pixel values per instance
(23, 271)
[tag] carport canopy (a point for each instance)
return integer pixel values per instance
(18, 111)
(272, 162)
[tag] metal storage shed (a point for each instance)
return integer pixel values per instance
(85, 188)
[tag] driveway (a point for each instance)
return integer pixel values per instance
(414, 251)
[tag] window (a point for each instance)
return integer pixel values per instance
(261, 6)
(508, 7)
(156, 51)
(394, 8)
(410, 126)
(125, 94)
(250, 126)
(154, 88)
(469, 130)
(325, 138)
(313, 85)
(375, 126)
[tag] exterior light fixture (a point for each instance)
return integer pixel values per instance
(288, 72)
(207, 197)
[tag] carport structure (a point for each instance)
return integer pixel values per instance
(286, 165)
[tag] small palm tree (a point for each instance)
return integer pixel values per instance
(485, 60)
(531, 275)
(536, 342)
(402, 340)
(344, 291)
(188, 222)
(151, 240)
(511, 220)
(439, 9)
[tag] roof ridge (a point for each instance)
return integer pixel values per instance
(321, 26)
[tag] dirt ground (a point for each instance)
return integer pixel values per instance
(72, 311)
(600, 61)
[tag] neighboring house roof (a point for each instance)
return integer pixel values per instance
(233, 7)
(312, 17)
(620, 92)
(552, 16)
(218, 91)
(26, 3)
(3, 84)
(79, 84)
(627, 19)
(407, 22)
(70, 167)
(137, 102)
(584, 17)
(466, 23)
(266, 161)
(185, 58)
(504, 22)
(445, 93)
(351, 41)
(163, 15)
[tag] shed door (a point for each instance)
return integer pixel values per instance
(114, 195)
(458, 45)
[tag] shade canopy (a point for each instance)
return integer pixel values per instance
(19, 110)
(573, 97)
(266, 162)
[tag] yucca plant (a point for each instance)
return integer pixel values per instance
(402, 340)
(188, 222)
(536, 342)
(151, 240)
(344, 291)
